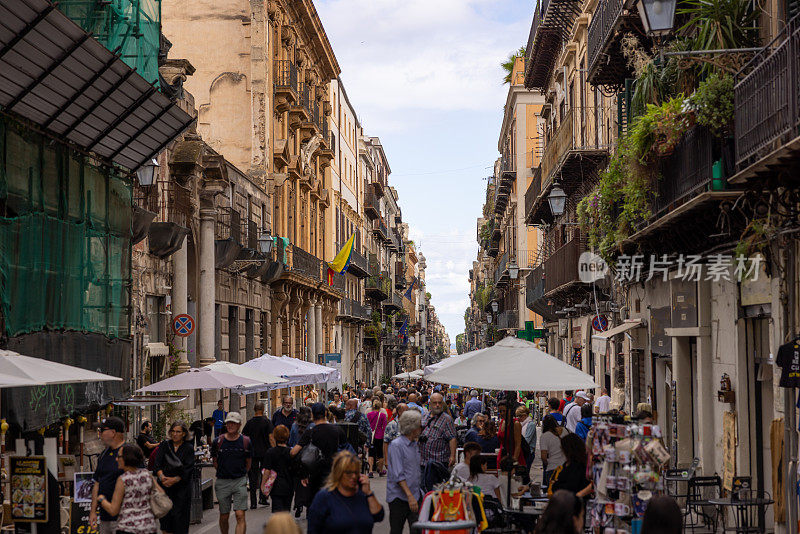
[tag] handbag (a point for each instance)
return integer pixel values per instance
(311, 455)
(160, 503)
(268, 477)
(172, 464)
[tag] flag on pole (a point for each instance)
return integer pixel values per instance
(341, 262)
(410, 288)
(404, 331)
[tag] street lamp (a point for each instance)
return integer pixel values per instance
(513, 270)
(557, 200)
(265, 242)
(489, 318)
(495, 306)
(657, 16)
(146, 173)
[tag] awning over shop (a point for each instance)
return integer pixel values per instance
(56, 75)
(600, 340)
(620, 329)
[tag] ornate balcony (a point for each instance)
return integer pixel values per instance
(574, 155)
(358, 264)
(379, 229)
(532, 193)
(552, 25)
(561, 268)
(313, 124)
(299, 112)
(534, 295)
(767, 108)
(508, 320)
(285, 85)
(501, 273)
(685, 205)
(306, 264)
(377, 286)
(371, 204)
(393, 303)
(611, 20)
(360, 313)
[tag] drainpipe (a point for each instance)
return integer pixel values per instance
(790, 419)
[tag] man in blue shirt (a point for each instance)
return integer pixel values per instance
(473, 405)
(112, 434)
(219, 419)
(403, 491)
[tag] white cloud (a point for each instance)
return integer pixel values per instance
(419, 54)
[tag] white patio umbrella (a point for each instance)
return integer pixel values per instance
(204, 378)
(245, 372)
(408, 375)
(428, 369)
(294, 371)
(511, 364)
(18, 370)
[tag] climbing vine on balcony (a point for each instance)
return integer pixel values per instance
(621, 199)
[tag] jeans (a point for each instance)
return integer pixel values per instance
(254, 476)
(399, 513)
(546, 479)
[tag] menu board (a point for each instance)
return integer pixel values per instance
(28, 488)
(79, 519)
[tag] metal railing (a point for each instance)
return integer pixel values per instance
(582, 129)
(686, 172)
(528, 259)
(228, 225)
(502, 266)
(767, 98)
(285, 74)
(305, 97)
(533, 191)
(508, 319)
(379, 228)
(371, 203)
(603, 20)
(253, 233)
(358, 261)
(562, 266)
(305, 263)
(359, 311)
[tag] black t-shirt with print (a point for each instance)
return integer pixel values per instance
(789, 362)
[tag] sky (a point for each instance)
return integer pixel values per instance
(425, 77)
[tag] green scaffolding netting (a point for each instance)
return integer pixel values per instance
(65, 244)
(133, 26)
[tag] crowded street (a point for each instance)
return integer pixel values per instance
(381, 266)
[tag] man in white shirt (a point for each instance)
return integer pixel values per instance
(572, 411)
(462, 468)
(603, 402)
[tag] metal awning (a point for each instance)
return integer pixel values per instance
(620, 329)
(57, 76)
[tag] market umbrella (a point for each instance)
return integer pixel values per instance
(245, 372)
(205, 378)
(511, 364)
(294, 371)
(408, 375)
(428, 369)
(18, 370)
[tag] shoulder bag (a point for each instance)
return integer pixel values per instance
(160, 503)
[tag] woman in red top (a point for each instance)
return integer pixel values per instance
(515, 438)
(377, 421)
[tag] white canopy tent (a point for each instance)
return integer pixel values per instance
(294, 371)
(18, 370)
(212, 377)
(511, 364)
(428, 369)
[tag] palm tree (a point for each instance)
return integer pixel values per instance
(508, 64)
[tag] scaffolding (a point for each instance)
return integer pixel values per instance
(133, 27)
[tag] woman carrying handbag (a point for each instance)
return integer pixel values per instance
(174, 464)
(135, 489)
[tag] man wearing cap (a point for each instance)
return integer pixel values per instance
(473, 405)
(112, 434)
(572, 411)
(233, 454)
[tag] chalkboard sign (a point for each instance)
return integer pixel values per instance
(79, 519)
(28, 489)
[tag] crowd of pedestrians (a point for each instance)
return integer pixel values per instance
(319, 459)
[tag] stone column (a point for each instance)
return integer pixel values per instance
(207, 288)
(311, 349)
(319, 334)
(180, 296)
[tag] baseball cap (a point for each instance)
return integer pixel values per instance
(234, 417)
(112, 423)
(583, 395)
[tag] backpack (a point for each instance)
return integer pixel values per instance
(245, 442)
(564, 421)
(310, 455)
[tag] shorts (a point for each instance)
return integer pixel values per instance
(231, 491)
(107, 527)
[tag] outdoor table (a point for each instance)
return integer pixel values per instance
(530, 499)
(741, 515)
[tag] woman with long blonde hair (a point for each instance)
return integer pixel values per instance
(346, 505)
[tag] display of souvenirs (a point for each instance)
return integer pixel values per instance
(627, 459)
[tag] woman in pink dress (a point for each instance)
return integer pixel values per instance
(377, 421)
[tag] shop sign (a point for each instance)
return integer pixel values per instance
(28, 489)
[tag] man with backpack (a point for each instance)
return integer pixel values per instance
(572, 411)
(355, 416)
(233, 455)
(317, 447)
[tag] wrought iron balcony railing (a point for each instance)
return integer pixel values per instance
(228, 225)
(285, 75)
(305, 263)
(561, 268)
(767, 98)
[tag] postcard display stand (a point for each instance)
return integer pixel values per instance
(626, 467)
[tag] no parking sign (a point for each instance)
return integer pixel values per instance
(183, 325)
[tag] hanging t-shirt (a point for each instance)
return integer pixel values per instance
(789, 362)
